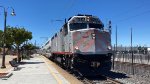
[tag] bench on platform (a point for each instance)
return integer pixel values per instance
(14, 64)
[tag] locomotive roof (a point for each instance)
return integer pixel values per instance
(84, 18)
(82, 15)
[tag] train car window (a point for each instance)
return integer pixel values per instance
(56, 35)
(47, 43)
(76, 26)
(92, 25)
(52, 38)
(60, 30)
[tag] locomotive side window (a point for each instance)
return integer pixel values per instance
(76, 26)
(65, 29)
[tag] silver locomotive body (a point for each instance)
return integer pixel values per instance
(82, 39)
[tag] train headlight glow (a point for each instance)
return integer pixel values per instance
(93, 35)
(76, 48)
(109, 47)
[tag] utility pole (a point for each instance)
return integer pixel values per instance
(132, 53)
(116, 38)
(114, 58)
(115, 50)
(35, 43)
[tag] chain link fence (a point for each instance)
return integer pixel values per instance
(136, 64)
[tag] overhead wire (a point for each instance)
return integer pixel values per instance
(68, 8)
(66, 11)
(133, 16)
(129, 11)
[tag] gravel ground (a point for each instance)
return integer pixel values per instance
(128, 78)
(141, 72)
(135, 79)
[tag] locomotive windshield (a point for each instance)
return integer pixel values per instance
(85, 22)
(92, 25)
(76, 26)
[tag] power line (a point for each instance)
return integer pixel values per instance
(68, 8)
(131, 10)
(134, 16)
(128, 11)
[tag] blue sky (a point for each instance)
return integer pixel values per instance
(39, 17)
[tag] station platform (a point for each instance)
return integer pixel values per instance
(37, 70)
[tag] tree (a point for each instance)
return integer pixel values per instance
(9, 37)
(0, 50)
(16, 36)
(140, 49)
(29, 47)
(20, 35)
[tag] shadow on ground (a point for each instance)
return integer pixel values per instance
(22, 63)
(18, 69)
(115, 75)
(110, 74)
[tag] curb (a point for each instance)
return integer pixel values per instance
(7, 75)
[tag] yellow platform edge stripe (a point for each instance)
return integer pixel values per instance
(56, 77)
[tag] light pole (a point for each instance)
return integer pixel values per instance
(4, 44)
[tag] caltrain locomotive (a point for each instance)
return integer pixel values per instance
(83, 43)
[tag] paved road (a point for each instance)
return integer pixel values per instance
(34, 71)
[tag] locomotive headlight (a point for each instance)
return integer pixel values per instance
(93, 35)
(76, 48)
(109, 47)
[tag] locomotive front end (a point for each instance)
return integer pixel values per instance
(89, 37)
(82, 43)
(91, 43)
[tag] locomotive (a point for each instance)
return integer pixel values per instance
(83, 44)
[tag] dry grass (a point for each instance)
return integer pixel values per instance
(7, 59)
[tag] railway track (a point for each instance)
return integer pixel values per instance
(103, 80)
(99, 79)
(113, 81)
